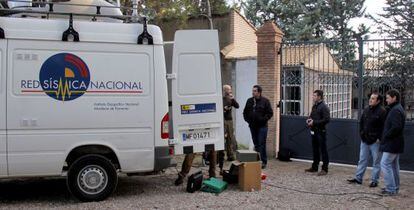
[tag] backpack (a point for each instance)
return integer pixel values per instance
(284, 154)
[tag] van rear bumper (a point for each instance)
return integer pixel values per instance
(163, 159)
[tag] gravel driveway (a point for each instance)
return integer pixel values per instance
(287, 187)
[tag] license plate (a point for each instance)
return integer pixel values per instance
(197, 135)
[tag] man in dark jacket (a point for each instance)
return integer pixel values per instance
(317, 121)
(392, 143)
(370, 129)
(257, 112)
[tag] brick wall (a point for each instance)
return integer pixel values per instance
(269, 39)
(244, 37)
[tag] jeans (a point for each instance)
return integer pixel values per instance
(390, 166)
(259, 136)
(365, 153)
(319, 146)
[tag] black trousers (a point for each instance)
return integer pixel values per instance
(319, 147)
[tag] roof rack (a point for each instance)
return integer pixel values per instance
(143, 38)
(65, 4)
(121, 17)
(135, 17)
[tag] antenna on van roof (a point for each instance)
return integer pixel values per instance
(71, 32)
(2, 36)
(145, 36)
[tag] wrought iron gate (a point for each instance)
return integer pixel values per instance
(347, 71)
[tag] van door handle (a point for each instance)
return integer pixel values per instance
(33, 122)
(29, 122)
(172, 76)
(24, 122)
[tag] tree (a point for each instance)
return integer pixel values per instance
(299, 19)
(397, 21)
(158, 10)
(304, 20)
(177, 11)
(308, 19)
(218, 7)
(337, 15)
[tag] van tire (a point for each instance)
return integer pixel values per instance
(92, 178)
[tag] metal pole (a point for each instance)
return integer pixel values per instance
(210, 18)
(135, 15)
(208, 15)
(360, 76)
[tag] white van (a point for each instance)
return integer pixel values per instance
(98, 106)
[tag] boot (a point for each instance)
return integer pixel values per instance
(179, 180)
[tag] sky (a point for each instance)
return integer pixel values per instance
(373, 7)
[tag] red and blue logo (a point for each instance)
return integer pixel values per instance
(64, 77)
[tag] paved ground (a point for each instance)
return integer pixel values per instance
(287, 187)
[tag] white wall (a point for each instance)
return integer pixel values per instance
(244, 78)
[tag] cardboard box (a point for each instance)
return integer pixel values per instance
(247, 156)
(250, 176)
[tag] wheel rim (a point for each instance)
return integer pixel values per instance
(92, 179)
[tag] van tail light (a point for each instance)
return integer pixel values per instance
(165, 127)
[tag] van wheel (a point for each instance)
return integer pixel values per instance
(92, 178)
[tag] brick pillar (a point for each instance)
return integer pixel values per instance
(269, 39)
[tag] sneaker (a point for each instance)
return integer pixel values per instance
(387, 193)
(322, 173)
(373, 184)
(311, 170)
(179, 180)
(354, 181)
(264, 165)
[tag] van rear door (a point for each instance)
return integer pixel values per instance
(197, 108)
(3, 140)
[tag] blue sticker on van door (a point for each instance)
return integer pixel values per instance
(198, 108)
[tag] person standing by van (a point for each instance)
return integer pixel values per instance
(230, 141)
(370, 128)
(229, 102)
(257, 112)
(392, 143)
(317, 121)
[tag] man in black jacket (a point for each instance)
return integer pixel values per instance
(370, 129)
(392, 143)
(257, 112)
(317, 121)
